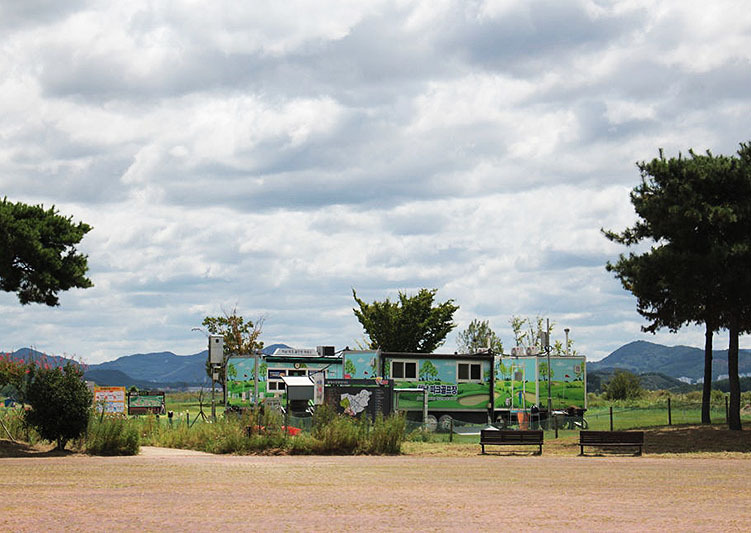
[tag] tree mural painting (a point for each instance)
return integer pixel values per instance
(428, 371)
(546, 372)
(349, 369)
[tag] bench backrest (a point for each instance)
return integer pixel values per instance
(615, 437)
(502, 435)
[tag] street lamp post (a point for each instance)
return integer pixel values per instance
(547, 352)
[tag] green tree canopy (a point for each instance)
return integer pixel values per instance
(624, 385)
(38, 256)
(477, 336)
(694, 212)
(60, 403)
(412, 324)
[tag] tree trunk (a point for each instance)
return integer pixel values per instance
(706, 394)
(734, 415)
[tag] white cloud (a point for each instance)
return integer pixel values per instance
(276, 156)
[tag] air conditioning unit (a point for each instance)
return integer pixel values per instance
(325, 351)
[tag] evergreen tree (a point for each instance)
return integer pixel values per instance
(38, 256)
(412, 324)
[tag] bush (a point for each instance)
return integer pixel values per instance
(331, 434)
(624, 385)
(60, 404)
(111, 436)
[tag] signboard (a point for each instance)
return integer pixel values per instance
(319, 381)
(356, 396)
(146, 402)
(109, 399)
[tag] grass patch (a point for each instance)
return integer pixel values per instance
(110, 435)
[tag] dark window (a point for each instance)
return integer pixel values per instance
(403, 370)
(469, 372)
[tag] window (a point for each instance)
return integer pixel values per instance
(469, 372)
(274, 381)
(404, 369)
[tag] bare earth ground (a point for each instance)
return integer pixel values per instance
(178, 490)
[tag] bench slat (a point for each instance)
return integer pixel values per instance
(502, 437)
(611, 439)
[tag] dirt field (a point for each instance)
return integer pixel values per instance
(174, 490)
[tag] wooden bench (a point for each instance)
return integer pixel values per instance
(507, 437)
(612, 439)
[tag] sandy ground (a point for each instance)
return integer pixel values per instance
(178, 490)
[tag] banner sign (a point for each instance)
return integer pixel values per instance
(109, 399)
(146, 402)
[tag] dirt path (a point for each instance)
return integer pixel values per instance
(177, 490)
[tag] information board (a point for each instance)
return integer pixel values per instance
(146, 402)
(356, 396)
(109, 399)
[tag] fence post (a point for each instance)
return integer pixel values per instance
(187, 418)
(727, 411)
(670, 413)
(611, 418)
(556, 426)
(451, 431)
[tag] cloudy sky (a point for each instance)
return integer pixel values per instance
(275, 155)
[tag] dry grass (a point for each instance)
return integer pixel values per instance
(707, 441)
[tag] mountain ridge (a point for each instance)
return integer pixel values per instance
(679, 361)
(165, 368)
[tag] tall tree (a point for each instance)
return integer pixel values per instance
(240, 338)
(477, 336)
(412, 324)
(38, 256)
(686, 208)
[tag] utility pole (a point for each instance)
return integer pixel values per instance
(255, 379)
(550, 396)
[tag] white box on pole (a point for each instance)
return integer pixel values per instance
(216, 349)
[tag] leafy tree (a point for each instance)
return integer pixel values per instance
(16, 374)
(687, 209)
(240, 338)
(413, 324)
(478, 335)
(60, 403)
(38, 255)
(428, 371)
(624, 385)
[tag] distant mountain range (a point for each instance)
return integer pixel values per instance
(143, 370)
(642, 357)
(660, 366)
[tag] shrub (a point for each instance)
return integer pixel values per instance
(111, 436)
(60, 403)
(624, 385)
(387, 435)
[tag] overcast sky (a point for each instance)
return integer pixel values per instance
(275, 155)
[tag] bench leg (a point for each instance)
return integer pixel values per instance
(483, 448)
